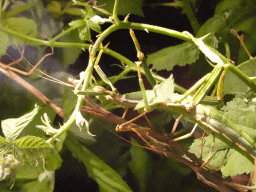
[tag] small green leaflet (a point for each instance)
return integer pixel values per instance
(84, 25)
(233, 163)
(160, 93)
(241, 111)
(13, 127)
(167, 58)
(234, 85)
(31, 142)
(105, 176)
(21, 25)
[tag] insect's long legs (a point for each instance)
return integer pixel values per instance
(100, 72)
(140, 56)
(26, 73)
(9, 71)
(176, 124)
(186, 135)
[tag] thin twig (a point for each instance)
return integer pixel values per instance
(33, 91)
(160, 144)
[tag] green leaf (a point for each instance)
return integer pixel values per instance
(53, 159)
(242, 111)
(22, 25)
(232, 162)
(26, 171)
(212, 25)
(45, 184)
(73, 11)
(94, 26)
(125, 7)
(167, 58)
(54, 6)
(31, 142)
(245, 26)
(147, 167)
(3, 140)
(105, 176)
(227, 5)
(160, 93)
(234, 85)
(237, 164)
(4, 42)
(84, 30)
(13, 127)
(19, 9)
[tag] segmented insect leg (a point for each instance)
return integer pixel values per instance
(100, 72)
(201, 144)
(187, 135)
(176, 124)
(210, 156)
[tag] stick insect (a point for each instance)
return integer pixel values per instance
(207, 117)
(10, 72)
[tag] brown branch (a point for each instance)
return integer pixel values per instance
(33, 91)
(160, 144)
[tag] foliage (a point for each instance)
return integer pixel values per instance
(220, 52)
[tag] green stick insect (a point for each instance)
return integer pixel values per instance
(207, 117)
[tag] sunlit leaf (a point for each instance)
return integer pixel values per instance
(167, 58)
(31, 142)
(22, 25)
(229, 161)
(234, 85)
(3, 140)
(160, 93)
(13, 127)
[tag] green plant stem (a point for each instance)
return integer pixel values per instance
(194, 87)
(32, 39)
(155, 29)
(115, 13)
(209, 82)
(95, 48)
(120, 75)
(148, 74)
(70, 121)
(190, 15)
(60, 35)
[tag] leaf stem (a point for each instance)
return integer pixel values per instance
(60, 35)
(190, 15)
(115, 14)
